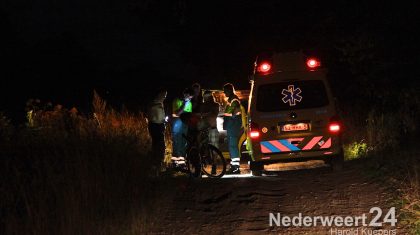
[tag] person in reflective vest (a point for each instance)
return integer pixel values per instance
(180, 106)
(233, 126)
(156, 122)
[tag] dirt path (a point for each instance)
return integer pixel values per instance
(242, 205)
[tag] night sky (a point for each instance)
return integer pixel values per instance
(60, 51)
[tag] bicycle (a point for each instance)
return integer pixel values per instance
(203, 157)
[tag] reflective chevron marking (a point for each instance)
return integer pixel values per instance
(264, 149)
(285, 145)
(270, 147)
(289, 145)
(279, 146)
(327, 144)
(312, 143)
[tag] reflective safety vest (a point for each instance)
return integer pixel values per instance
(243, 113)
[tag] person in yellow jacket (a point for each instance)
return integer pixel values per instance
(180, 106)
(233, 125)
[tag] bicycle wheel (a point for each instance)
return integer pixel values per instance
(213, 162)
(193, 162)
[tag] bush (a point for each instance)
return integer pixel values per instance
(6, 128)
(65, 173)
(355, 150)
(386, 124)
(388, 134)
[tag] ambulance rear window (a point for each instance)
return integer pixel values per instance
(291, 95)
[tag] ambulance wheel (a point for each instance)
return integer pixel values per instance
(256, 168)
(336, 162)
(244, 154)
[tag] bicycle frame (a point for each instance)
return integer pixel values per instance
(197, 147)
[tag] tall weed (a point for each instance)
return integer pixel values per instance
(67, 173)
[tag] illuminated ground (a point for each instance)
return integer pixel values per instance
(241, 204)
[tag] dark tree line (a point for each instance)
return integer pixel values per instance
(63, 50)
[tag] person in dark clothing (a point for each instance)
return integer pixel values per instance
(209, 111)
(197, 99)
(156, 121)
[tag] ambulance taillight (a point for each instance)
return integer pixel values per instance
(313, 63)
(264, 67)
(254, 132)
(334, 128)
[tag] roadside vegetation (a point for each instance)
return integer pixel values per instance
(381, 126)
(399, 170)
(67, 173)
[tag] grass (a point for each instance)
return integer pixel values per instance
(392, 161)
(387, 137)
(402, 171)
(65, 173)
(399, 170)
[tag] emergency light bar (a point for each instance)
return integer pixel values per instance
(285, 62)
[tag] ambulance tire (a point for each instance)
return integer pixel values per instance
(256, 168)
(336, 162)
(244, 154)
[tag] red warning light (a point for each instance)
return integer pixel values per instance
(313, 63)
(334, 127)
(254, 134)
(264, 67)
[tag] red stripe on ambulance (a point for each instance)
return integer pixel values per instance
(327, 144)
(264, 149)
(278, 145)
(312, 143)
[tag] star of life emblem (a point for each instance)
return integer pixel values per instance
(291, 95)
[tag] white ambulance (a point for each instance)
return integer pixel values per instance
(292, 114)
